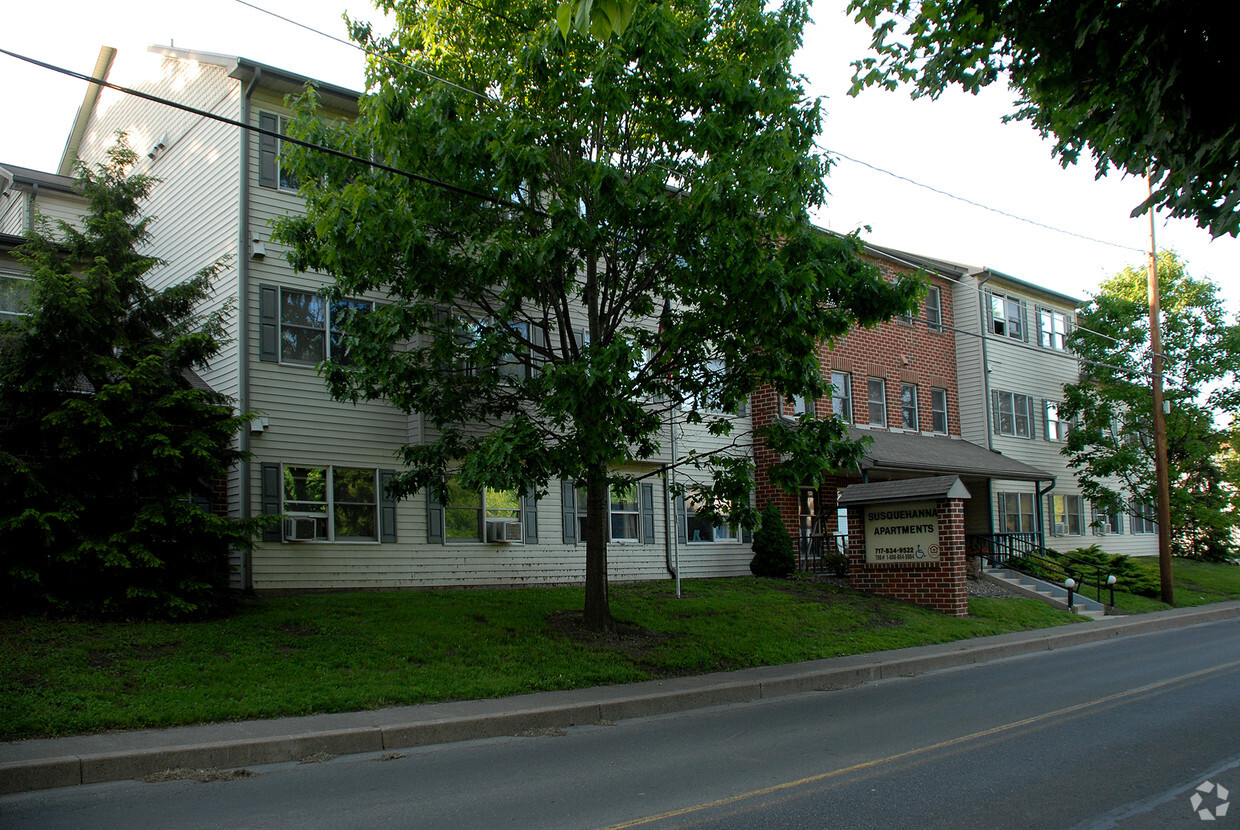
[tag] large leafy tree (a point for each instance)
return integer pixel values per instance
(617, 229)
(108, 448)
(1111, 446)
(1132, 83)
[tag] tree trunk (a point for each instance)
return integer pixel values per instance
(597, 615)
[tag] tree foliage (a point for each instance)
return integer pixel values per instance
(773, 553)
(600, 19)
(107, 451)
(1132, 83)
(1111, 444)
(624, 232)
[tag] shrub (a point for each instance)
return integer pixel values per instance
(773, 554)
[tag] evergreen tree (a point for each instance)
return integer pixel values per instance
(773, 554)
(109, 448)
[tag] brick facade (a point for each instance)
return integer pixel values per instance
(940, 586)
(896, 352)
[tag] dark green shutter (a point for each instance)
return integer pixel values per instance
(434, 518)
(529, 518)
(268, 151)
(271, 491)
(647, 507)
(268, 323)
(682, 518)
(387, 507)
(568, 499)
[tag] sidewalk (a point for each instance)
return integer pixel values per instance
(89, 759)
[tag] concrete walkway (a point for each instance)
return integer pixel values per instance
(88, 759)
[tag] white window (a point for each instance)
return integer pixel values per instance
(802, 405)
(1106, 524)
(341, 502)
(938, 410)
(1016, 513)
(1054, 329)
(1143, 518)
(877, 394)
(1013, 414)
(624, 513)
(15, 295)
(311, 327)
(934, 310)
(1007, 316)
(908, 405)
(701, 530)
(1067, 515)
(1056, 427)
(467, 511)
(702, 401)
(841, 396)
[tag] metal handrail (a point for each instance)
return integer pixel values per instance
(1009, 549)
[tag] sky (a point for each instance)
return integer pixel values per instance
(957, 144)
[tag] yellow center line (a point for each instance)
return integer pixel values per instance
(1161, 685)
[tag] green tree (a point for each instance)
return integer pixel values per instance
(107, 449)
(773, 554)
(1111, 442)
(623, 232)
(1133, 83)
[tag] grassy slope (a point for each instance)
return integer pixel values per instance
(339, 652)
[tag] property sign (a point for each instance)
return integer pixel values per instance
(904, 533)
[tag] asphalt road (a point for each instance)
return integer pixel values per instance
(1114, 734)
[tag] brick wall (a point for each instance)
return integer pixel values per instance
(940, 586)
(895, 351)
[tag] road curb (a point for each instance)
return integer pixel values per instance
(35, 765)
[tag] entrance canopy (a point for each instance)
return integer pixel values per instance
(912, 452)
(906, 490)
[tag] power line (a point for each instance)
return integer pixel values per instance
(494, 101)
(949, 195)
(463, 191)
(378, 55)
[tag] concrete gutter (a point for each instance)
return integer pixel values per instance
(90, 759)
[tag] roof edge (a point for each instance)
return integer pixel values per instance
(103, 67)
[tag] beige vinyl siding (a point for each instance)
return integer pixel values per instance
(970, 371)
(195, 205)
(14, 212)
(53, 208)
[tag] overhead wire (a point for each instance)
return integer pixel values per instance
(463, 191)
(498, 200)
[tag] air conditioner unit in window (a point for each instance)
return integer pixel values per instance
(300, 529)
(1061, 529)
(503, 530)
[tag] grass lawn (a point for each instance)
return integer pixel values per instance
(1196, 583)
(340, 652)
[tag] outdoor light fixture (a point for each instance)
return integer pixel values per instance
(1070, 584)
(1111, 580)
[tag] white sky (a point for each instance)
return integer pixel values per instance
(956, 144)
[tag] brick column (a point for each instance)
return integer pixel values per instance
(940, 586)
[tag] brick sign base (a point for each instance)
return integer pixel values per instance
(940, 586)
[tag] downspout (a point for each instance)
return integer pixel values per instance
(1038, 511)
(672, 542)
(243, 320)
(30, 209)
(981, 307)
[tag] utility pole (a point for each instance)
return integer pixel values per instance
(1160, 421)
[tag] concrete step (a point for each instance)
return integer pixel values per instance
(1048, 592)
